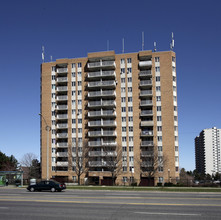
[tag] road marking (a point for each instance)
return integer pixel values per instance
(161, 213)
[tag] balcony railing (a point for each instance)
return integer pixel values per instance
(64, 125)
(62, 88)
(146, 143)
(102, 123)
(101, 143)
(62, 116)
(146, 113)
(62, 107)
(62, 97)
(101, 163)
(62, 79)
(62, 164)
(62, 154)
(145, 73)
(146, 83)
(102, 73)
(146, 123)
(102, 93)
(145, 63)
(102, 153)
(101, 133)
(62, 144)
(62, 70)
(147, 153)
(146, 92)
(146, 102)
(62, 135)
(111, 83)
(101, 64)
(105, 113)
(147, 164)
(101, 103)
(147, 133)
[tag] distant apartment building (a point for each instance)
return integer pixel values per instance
(207, 151)
(118, 104)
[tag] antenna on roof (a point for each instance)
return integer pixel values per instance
(172, 42)
(142, 40)
(107, 45)
(123, 45)
(155, 46)
(43, 54)
(51, 58)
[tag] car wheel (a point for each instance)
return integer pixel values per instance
(53, 189)
(32, 189)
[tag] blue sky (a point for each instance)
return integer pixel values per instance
(71, 29)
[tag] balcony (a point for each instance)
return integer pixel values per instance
(101, 64)
(145, 83)
(62, 116)
(101, 143)
(62, 70)
(147, 164)
(108, 103)
(101, 163)
(62, 135)
(146, 133)
(62, 98)
(109, 93)
(146, 123)
(102, 153)
(62, 88)
(102, 113)
(102, 74)
(146, 143)
(62, 79)
(146, 63)
(61, 107)
(147, 153)
(62, 164)
(62, 154)
(107, 123)
(145, 73)
(102, 84)
(60, 126)
(146, 113)
(62, 144)
(146, 103)
(146, 93)
(102, 133)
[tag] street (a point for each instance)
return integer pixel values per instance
(17, 203)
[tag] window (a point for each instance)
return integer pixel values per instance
(123, 99)
(158, 88)
(176, 148)
(175, 118)
(53, 87)
(131, 139)
(122, 80)
(130, 129)
(73, 93)
(175, 108)
(174, 88)
(79, 92)
(79, 65)
(174, 69)
(177, 169)
(53, 104)
(157, 59)
(130, 118)
(73, 102)
(124, 139)
(159, 118)
(124, 158)
(158, 79)
(158, 108)
(129, 89)
(130, 99)
(123, 89)
(79, 121)
(174, 98)
(128, 60)
(53, 150)
(73, 130)
(173, 59)
(124, 179)
(123, 109)
(79, 73)
(124, 149)
(158, 98)
(174, 78)
(129, 79)
(124, 129)
(73, 84)
(53, 122)
(53, 77)
(53, 141)
(175, 128)
(122, 70)
(130, 109)
(73, 111)
(73, 65)
(131, 169)
(131, 149)
(124, 169)
(123, 119)
(131, 159)
(79, 83)
(176, 138)
(177, 159)
(129, 70)
(79, 102)
(53, 168)
(160, 148)
(73, 74)
(79, 130)
(53, 68)
(159, 138)
(73, 121)
(157, 69)
(160, 169)
(122, 61)
(53, 113)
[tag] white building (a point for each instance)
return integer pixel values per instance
(207, 151)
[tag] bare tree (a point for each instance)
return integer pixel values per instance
(79, 158)
(113, 161)
(149, 163)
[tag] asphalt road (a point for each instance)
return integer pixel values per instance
(77, 204)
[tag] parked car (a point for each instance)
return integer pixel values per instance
(47, 185)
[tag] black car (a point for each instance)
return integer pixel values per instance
(47, 185)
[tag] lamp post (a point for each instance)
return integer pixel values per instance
(47, 128)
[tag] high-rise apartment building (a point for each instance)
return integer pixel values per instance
(118, 106)
(207, 151)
